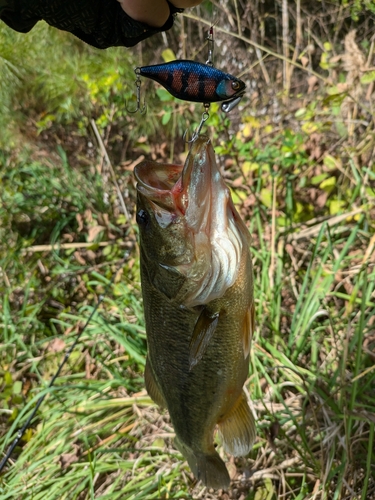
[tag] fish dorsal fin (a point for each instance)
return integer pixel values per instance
(203, 331)
(237, 428)
(248, 329)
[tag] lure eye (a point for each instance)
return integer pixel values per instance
(142, 218)
(236, 85)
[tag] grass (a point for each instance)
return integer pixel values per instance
(98, 435)
(306, 192)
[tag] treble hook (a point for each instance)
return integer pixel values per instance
(138, 94)
(210, 41)
(197, 132)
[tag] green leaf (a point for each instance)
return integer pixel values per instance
(8, 378)
(107, 250)
(328, 184)
(330, 162)
(266, 197)
(317, 179)
(163, 95)
(166, 117)
(300, 112)
(368, 77)
(158, 443)
(336, 206)
(266, 491)
(168, 55)
(17, 387)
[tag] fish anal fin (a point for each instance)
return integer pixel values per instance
(203, 331)
(206, 467)
(248, 329)
(237, 428)
(152, 386)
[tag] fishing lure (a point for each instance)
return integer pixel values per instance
(194, 81)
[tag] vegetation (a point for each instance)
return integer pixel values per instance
(298, 155)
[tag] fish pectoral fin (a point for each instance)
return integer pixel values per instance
(237, 428)
(248, 329)
(206, 467)
(152, 386)
(168, 280)
(203, 331)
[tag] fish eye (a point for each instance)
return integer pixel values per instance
(236, 85)
(142, 218)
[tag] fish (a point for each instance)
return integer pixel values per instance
(197, 288)
(194, 81)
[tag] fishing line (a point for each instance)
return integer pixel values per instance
(26, 425)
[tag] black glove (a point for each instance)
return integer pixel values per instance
(101, 23)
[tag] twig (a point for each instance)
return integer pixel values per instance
(238, 17)
(285, 26)
(257, 45)
(313, 231)
(105, 154)
(271, 270)
(64, 246)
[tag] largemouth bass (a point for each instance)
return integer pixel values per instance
(197, 288)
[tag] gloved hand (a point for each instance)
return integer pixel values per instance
(101, 23)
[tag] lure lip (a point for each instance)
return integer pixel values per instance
(227, 106)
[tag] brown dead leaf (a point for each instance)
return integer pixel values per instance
(232, 469)
(105, 218)
(250, 201)
(68, 237)
(131, 165)
(79, 258)
(93, 232)
(79, 219)
(311, 81)
(238, 182)
(26, 387)
(69, 330)
(56, 345)
(322, 200)
(304, 61)
(68, 459)
(88, 216)
(90, 255)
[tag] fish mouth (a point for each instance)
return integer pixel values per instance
(156, 182)
(173, 187)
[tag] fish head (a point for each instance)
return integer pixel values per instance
(230, 87)
(188, 222)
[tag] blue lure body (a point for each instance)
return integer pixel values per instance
(194, 81)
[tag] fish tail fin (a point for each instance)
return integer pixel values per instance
(207, 467)
(237, 428)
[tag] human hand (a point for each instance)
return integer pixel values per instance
(154, 12)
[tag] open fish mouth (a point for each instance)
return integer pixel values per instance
(198, 195)
(175, 187)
